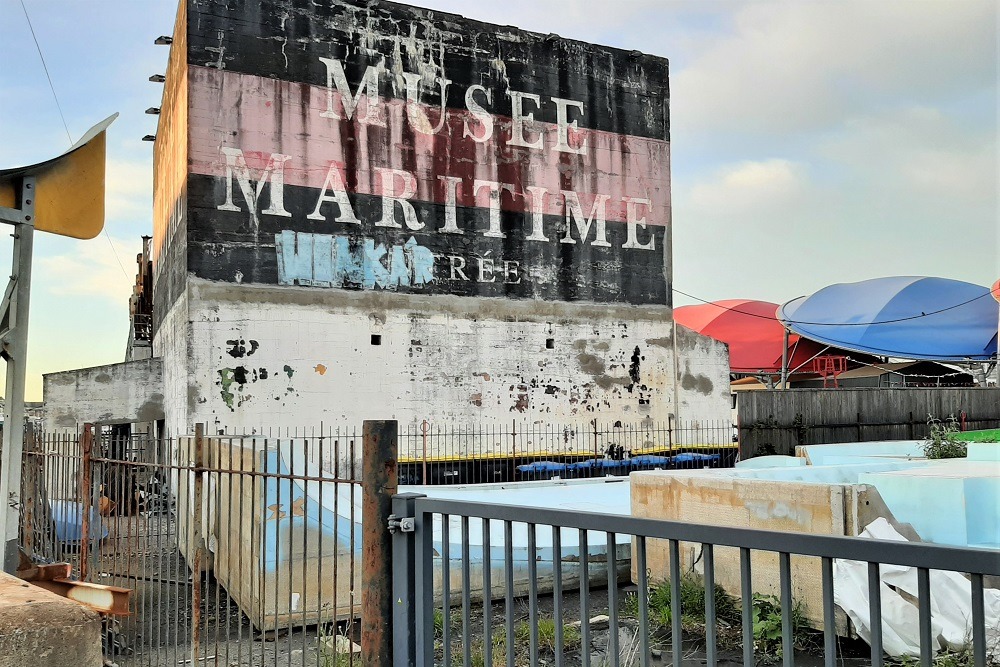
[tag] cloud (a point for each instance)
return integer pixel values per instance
(90, 269)
(750, 187)
(919, 152)
(129, 190)
(793, 67)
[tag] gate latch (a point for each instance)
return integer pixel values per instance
(403, 525)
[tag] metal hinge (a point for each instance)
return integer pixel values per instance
(403, 525)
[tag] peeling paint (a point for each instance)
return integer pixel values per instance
(320, 368)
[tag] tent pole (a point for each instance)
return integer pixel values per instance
(784, 361)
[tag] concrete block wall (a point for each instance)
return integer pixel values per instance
(111, 394)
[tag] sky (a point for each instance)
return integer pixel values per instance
(812, 143)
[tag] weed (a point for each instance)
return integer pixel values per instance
(329, 656)
(547, 635)
(767, 627)
(963, 658)
(942, 443)
(692, 590)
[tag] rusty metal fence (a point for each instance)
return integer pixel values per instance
(245, 550)
(236, 550)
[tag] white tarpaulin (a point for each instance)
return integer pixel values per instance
(951, 603)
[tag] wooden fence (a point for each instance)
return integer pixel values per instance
(774, 422)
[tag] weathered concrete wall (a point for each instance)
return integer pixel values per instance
(42, 629)
(114, 394)
(468, 193)
(290, 355)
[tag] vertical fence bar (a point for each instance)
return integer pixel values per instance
(378, 459)
(829, 617)
(487, 596)
(86, 465)
(446, 587)
(875, 613)
(614, 650)
(196, 534)
(532, 597)
(557, 593)
(746, 596)
(508, 565)
(403, 586)
(424, 586)
(978, 621)
(466, 595)
(675, 602)
(924, 616)
(787, 629)
(584, 597)
(711, 631)
(643, 593)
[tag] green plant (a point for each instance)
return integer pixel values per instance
(767, 627)
(941, 443)
(761, 432)
(692, 594)
(801, 429)
(547, 635)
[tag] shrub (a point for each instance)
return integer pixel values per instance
(941, 443)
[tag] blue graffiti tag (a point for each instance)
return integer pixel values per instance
(323, 260)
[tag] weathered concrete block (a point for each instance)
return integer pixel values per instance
(41, 629)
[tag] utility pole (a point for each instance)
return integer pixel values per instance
(64, 196)
(13, 349)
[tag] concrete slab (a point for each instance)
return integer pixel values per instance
(41, 629)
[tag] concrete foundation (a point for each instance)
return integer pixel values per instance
(820, 501)
(41, 629)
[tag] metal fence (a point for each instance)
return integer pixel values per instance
(244, 550)
(237, 551)
(467, 578)
(432, 454)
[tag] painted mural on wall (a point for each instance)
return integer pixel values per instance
(384, 147)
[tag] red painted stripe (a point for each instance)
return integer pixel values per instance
(263, 116)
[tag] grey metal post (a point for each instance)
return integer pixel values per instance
(784, 359)
(378, 464)
(14, 339)
(404, 602)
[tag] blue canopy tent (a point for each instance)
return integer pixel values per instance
(907, 317)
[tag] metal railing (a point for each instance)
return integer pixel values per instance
(498, 588)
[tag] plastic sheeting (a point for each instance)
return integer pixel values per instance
(906, 317)
(951, 603)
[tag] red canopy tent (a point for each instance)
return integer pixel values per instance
(753, 333)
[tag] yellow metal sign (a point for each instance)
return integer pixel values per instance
(69, 190)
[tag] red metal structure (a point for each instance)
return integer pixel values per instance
(829, 367)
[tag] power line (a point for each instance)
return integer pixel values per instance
(46, 68)
(835, 324)
(63, 117)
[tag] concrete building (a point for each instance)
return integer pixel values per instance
(368, 210)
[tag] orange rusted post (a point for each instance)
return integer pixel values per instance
(86, 466)
(379, 480)
(196, 533)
